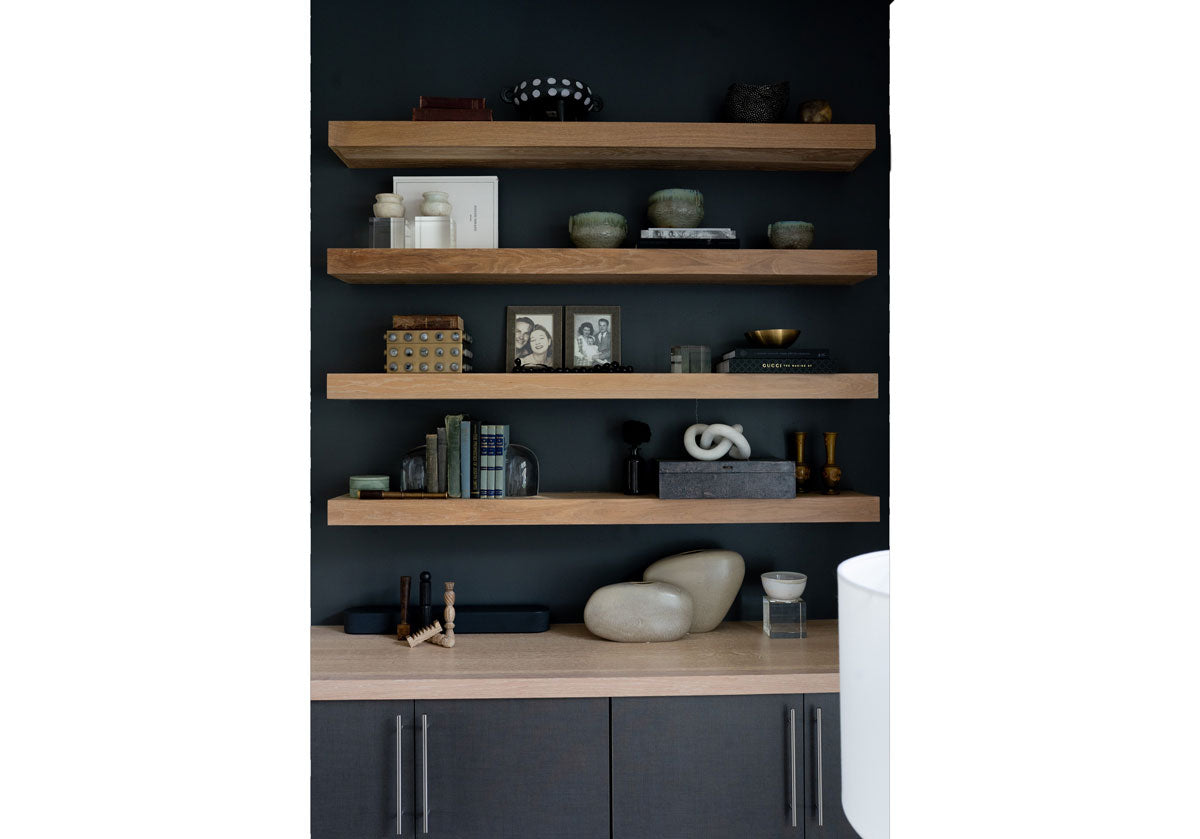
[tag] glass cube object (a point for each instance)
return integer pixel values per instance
(785, 618)
(389, 232)
(433, 232)
(694, 358)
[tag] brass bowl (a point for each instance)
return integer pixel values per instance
(776, 338)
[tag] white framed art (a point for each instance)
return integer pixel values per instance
(474, 202)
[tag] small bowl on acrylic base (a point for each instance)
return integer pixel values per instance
(784, 585)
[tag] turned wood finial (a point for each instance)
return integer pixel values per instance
(447, 639)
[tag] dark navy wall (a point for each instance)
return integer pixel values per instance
(650, 62)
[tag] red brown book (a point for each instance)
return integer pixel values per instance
(427, 322)
(452, 102)
(452, 114)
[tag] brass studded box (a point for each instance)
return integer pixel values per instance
(427, 351)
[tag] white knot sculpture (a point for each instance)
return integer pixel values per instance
(729, 436)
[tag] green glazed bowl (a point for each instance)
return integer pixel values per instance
(676, 208)
(597, 229)
(790, 234)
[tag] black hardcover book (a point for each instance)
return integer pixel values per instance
(762, 352)
(776, 365)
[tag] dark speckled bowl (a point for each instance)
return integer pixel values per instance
(756, 102)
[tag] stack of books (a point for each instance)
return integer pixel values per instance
(465, 458)
(451, 108)
(760, 360)
(689, 237)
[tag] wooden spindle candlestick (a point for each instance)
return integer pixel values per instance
(447, 638)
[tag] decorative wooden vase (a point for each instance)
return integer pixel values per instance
(803, 472)
(832, 473)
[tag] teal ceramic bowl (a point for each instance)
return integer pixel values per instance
(597, 229)
(676, 208)
(358, 482)
(790, 234)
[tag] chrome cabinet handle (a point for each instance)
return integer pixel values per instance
(399, 775)
(820, 777)
(425, 772)
(792, 762)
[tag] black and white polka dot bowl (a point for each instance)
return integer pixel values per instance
(555, 98)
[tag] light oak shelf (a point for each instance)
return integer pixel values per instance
(567, 660)
(602, 386)
(600, 508)
(543, 266)
(602, 145)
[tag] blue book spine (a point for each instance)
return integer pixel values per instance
(464, 460)
(501, 467)
(495, 461)
(488, 442)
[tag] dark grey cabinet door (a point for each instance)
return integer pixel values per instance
(693, 766)
(362, 769)
(823, 814)
(503, 768)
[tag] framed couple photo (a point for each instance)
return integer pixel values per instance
(569, 337)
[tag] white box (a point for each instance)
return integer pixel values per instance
(474, 202)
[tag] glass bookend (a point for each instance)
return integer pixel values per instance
(785, 618)
(412, 470)
(521, 472)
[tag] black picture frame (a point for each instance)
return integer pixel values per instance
(576, 352)
(549, 318)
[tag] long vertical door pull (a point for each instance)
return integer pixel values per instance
(820, 777)
(792, 762)
(399, 775)
(425, 772)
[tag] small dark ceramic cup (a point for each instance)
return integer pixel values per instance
(790, 234)
(756, 102)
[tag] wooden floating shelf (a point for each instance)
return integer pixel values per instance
(602, 386)
(604, 508)
(542, 266)
(602, 145)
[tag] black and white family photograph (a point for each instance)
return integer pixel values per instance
(532, 336)
(595, 335)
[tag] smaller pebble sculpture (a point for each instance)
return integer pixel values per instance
(716, 441)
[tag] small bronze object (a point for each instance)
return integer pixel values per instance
(803, 472)
(816, 111)
(403, 629)
(773, 338)
(832, 473)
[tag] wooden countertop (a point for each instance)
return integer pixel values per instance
(568, 661)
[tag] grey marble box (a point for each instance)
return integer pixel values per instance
(754, 478)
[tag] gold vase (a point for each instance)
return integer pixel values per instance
(832, 473)
(803, 472)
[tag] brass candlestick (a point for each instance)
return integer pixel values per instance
(803, 472)
(832, 473)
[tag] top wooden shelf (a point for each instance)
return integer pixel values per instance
(602, 145)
